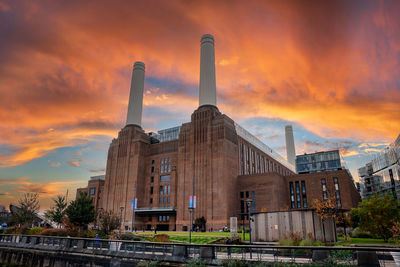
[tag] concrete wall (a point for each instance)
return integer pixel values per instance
(273, 226)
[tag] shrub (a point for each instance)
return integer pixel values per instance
(306, 243)
(148, 264)
(35, 230)
(57, 232)
(87, 234)
(287, 242)
(161, 238)
(195, 262)
(130, 236)
(234, 263)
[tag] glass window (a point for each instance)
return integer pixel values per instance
(161, 200)
(152, 162)
(167, 218)
(92, 191)
(151, 201)
(151, 190)
(152, 179)
(165, 190)
(162, 169)
(304, 194)
(298, 195)
(152, 169)
(247, 194)
(168, 199)
(169, 189)
(291, 190)
(161, 189)
(253, 194)
(241, 194)
(165, 178)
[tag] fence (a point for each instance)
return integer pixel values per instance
(209, 253)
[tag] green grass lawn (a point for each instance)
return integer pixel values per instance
(197, 237)
(367, 241)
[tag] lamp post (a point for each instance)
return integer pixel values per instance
(120, 219)
(248, 202)
(191, 209)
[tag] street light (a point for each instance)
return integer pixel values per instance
(248, 203)
(120, 219)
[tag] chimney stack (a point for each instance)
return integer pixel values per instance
(136, 95)
(207, 90)
(290, 149)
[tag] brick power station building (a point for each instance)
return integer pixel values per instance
(150, 177)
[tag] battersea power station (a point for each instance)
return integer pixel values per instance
(210, 161)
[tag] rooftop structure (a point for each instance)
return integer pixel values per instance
(319, 162)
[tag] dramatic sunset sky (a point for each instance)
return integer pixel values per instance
(329, 68)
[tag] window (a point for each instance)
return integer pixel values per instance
(151, 201)
(298, 195)
(242, 208)
(165, 178)
(324, 193)
(161, 189)
(168, 199)
(241, 194)
(152, 162)
(92, 191)
(152, 179)
(291, 195)
(169, 190)
(247, 194)
(165, 165)
(335, 181)
(152, 169)
(161, 200)
(304, 193)
(151, 190)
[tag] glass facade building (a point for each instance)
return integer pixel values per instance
(319, 162)
(382, 174)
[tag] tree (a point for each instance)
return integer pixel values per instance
(201, 223)
(26, 212)
(108, 221)
(325, 209)
(57, 212)
(378, 215)
(81, 211)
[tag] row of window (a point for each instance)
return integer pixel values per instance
(337, 191)
(252, 162)
(297, 194)
(164, 189)
(165, 165)
(163, 218)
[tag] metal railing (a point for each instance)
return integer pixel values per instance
(211, 253)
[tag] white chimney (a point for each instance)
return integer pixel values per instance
(207, 90)
(136, 95)
(290, 149)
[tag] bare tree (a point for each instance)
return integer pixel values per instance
(109, 221)
(26, 213)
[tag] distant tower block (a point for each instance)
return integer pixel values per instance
(290, 149)
(136, 95)
(207, 90)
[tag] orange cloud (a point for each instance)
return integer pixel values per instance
(332, 67)
(46, 189)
